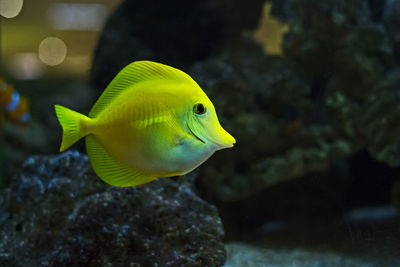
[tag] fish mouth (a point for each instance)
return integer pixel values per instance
(198, 138)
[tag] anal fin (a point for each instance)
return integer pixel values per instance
(110, 170)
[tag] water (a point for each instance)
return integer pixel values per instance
(309, 89)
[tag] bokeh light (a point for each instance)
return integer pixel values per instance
(52, 51)
(25, 66)
(76, 16)
(10, 8)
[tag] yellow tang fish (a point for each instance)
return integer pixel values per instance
(151, 121)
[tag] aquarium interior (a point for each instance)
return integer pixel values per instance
(310, 89)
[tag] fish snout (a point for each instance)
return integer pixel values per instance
(223, 139)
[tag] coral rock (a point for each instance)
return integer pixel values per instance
(58, 213)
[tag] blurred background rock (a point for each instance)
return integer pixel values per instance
(310, 90)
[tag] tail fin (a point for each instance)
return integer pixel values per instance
(71, 123)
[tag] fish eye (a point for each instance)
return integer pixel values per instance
(199, 109)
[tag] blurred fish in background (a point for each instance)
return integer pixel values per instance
(14, 106)
(14, 109)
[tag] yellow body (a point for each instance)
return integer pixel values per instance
(146, 124)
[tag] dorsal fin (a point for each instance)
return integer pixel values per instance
(136, 72)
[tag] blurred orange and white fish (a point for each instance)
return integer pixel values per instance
(14, 105)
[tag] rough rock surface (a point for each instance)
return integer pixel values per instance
(56, 212)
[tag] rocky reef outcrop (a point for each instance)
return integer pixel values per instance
(56, 212)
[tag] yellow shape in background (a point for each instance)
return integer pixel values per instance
(270, 32)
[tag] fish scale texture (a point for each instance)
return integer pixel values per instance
(56, 212)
